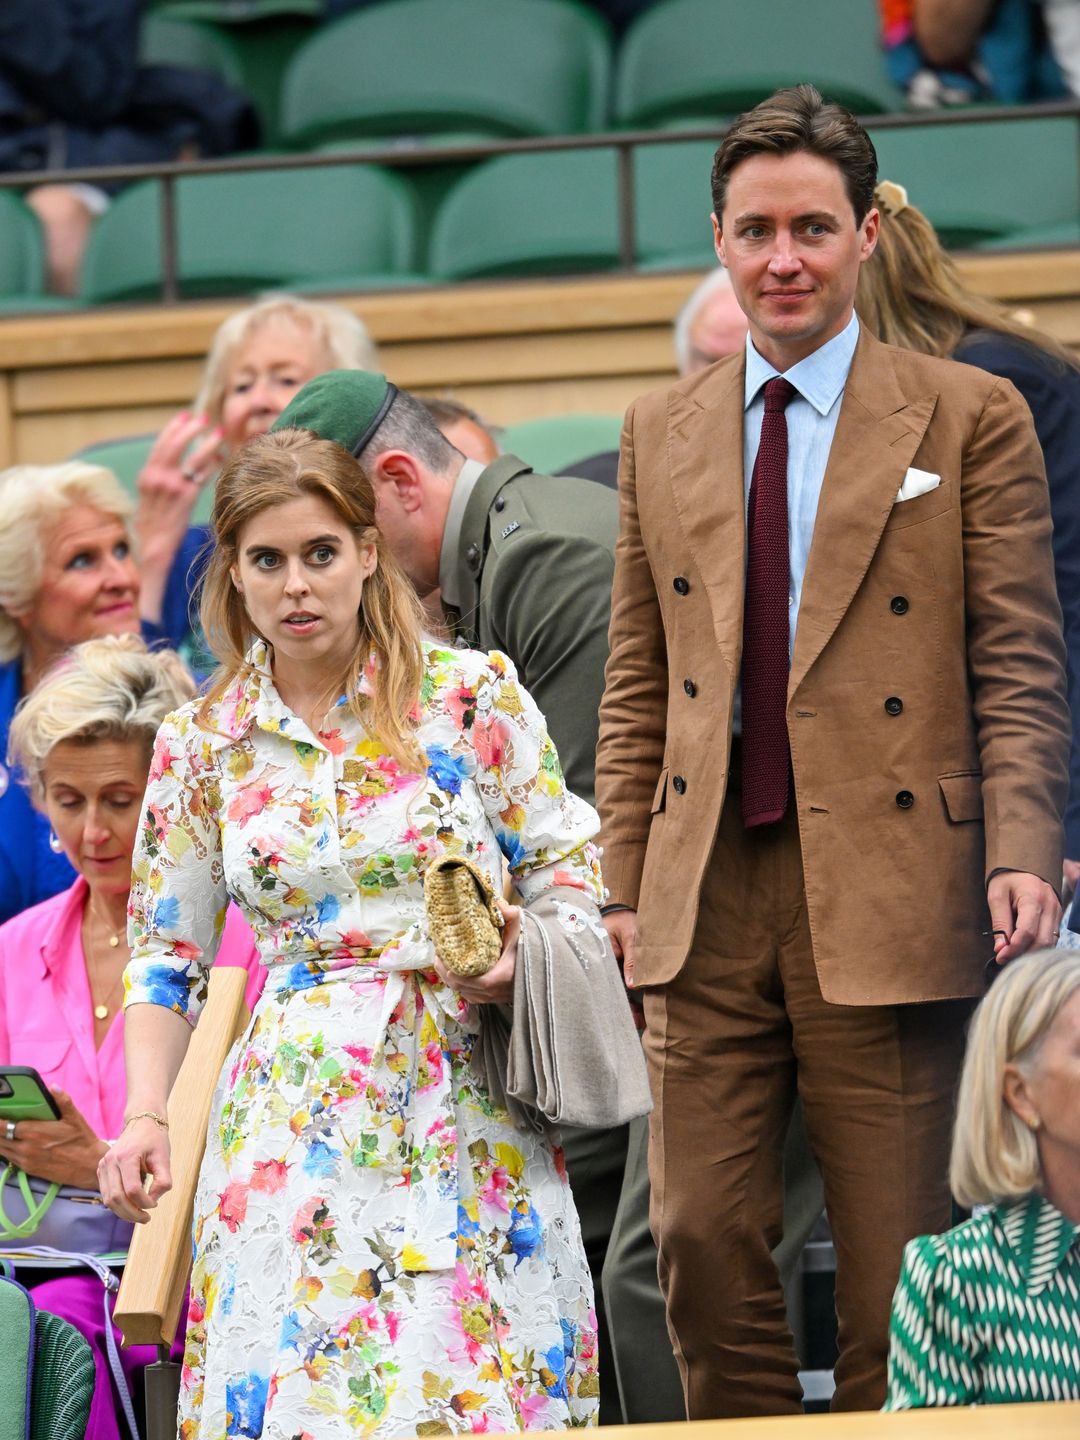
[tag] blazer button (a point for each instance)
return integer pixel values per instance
(681, 585)
(472, 555)
(905, 799)
(899, 605)
(690, 688)
(500, 503)
(678, 784)
(893, 705)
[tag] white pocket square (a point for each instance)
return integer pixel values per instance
(917, 482)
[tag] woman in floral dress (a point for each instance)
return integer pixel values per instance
(377, 1250)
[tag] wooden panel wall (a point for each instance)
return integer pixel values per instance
(514, 351)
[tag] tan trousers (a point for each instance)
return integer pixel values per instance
(728, 1042)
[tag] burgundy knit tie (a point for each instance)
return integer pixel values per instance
(765, 663)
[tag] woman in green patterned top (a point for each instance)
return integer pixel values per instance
(990, 1312)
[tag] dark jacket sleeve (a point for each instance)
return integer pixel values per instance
(554, 592)
(74, 59)
(1052, 391)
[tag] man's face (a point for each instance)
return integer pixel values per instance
(719, 329)
(792, 246)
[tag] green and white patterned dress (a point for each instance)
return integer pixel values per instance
(989, 1313)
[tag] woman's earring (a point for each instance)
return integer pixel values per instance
(1034, 1123)
(54, 844)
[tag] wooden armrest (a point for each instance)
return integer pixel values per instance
(159, 1261)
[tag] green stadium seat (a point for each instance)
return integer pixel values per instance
(166, 40)
(719, 57)
(557, 213)
(22, 254)
(426, 67)
(559, 442)
(239, 233)
(548, 213)
(1005, 182)
(63, 1383)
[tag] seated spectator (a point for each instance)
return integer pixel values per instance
(989, 1313)
(67, 574)
(464, 429)
(952, 52)
(73, 94)
(83, 741)
(1062, 19)
(710, 325)
(258, 359)
(911, 295)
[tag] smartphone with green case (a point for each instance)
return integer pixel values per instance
(24, 1095)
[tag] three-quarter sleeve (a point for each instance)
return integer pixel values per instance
(543, 829)
(933, 1342)
(176, 912)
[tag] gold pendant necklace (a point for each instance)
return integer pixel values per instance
(101, 1010)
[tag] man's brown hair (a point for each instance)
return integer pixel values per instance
(794, 120)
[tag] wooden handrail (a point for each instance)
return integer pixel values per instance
(159, 1261)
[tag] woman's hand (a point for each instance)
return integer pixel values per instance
(134, 1174)
(497, 986)
(169, 485)
(64, 1150)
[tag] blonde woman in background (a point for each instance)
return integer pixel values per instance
(990, 1312)
(910, 294)
(258, 359)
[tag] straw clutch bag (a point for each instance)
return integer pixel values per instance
(465, 923)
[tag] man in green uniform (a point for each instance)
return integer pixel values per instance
(524, 563)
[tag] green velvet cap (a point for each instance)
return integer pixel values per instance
(347, 406)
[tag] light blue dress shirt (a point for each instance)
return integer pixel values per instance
(811, 421)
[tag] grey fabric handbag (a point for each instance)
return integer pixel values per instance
(567, 1052)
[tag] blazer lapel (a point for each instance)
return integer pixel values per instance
(705, 448)
(877, 435)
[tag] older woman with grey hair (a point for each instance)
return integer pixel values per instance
(990, 1312)
(67, 573)
(259, 358)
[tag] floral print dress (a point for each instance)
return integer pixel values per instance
(377, 1250)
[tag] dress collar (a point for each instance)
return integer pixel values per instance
(1039, 1237)
(819, 378)
(252, 699)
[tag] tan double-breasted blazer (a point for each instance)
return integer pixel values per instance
(944, 603)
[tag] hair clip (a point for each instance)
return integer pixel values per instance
(891, 197)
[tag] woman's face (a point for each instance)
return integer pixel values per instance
(264, 374)
(301, 571)
(93, 798)
(1053, 1084)
(89, 583)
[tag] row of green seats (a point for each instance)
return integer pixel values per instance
(343, 227)
(490, 68)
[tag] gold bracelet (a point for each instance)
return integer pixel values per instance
(159, 1120)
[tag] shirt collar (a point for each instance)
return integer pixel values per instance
(1039, 1236)
(252, 699)
(449, 555)
(819, 378)
(57, 942)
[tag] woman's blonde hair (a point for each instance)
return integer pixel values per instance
(32, 497)
(270, 470)
(111, 688)
(342, 335)
(994, 1155)
(910, 293)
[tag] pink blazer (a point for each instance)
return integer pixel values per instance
(46, 1019)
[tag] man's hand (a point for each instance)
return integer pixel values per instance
(1071, 870)
(1024, 913)
(622, 932)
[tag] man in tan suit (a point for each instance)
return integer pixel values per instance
(832, 759)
